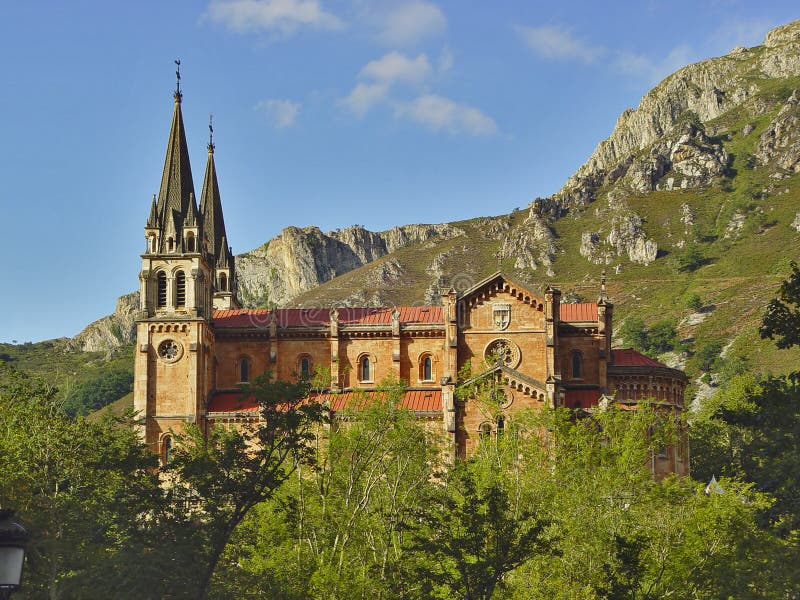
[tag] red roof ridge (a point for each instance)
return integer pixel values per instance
(628, 357)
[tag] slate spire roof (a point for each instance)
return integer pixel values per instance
(177, 187)
(152, 220)
(211, 211)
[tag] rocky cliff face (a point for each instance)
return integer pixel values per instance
(112, 331)
(643, 145)
(298, 260)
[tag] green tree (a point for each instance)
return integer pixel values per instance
(472, 533)
(223, 473)
(81, 488)
(689, 259)
(782, 318)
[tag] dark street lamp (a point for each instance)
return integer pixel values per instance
(13, 539)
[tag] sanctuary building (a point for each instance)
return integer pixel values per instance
(195, 344)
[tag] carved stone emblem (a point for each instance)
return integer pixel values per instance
(501, 315)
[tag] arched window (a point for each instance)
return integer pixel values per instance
(364, 369)
(485, 430)
(501, 425)
(305, 367)
(577, 365)
(244, 370)
(223, 282)
(166, 444)
(161, 289)
(426, 368)
(152, 243)
(180, 289)
(190, 242)
(171, 245)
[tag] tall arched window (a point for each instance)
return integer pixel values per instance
(152, 243)
(223, 282)
(180, 289)
(501, 425)
(577, 365)
(365, 369)
(171, 245)
(190, 242)
(484, 430)
(305, 367)
(166, 444)
(161, 289)
(426, 368)
(244, 370)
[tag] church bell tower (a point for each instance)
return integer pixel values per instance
(183, 263)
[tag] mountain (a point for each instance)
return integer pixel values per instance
(692, 205)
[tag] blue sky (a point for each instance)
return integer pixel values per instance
(326, 112)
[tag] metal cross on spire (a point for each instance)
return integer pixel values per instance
(211, 133)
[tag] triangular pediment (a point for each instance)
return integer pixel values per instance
(498, 282)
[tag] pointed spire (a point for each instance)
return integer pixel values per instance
(603, 296)
(191, 213)
(211, 208)
(152, 220)
(224, 261)
(176, 181)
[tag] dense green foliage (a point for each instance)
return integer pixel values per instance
(549, 506)
(371, 509)
(658, 338)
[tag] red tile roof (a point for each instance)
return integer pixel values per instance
(416, 400)
(227, 402)
(581, 311)
(581, 398)
(628, 357)
(315, 317)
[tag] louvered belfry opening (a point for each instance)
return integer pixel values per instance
(162, 290)
(180, 289)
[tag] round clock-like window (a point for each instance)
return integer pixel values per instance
(170, 350)
(503, 350)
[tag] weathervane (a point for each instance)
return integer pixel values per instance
(178, 80)
(211, 133)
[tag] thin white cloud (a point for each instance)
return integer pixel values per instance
(555, 42)
(446, 60)
(654, 70)
(381, 75)
(411, 22)
(280, 16)
(396, 67)
(280, 113)
(443, 114)
(364, 96)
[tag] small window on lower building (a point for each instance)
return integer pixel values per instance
(485, 430)
(426, 368)
(305, 367)
(166, 449)
(365, 369)
(577, 365)
(244, 370)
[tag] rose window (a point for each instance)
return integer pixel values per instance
(502, 351)
(170, 350)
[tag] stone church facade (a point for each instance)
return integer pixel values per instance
(195, 344)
